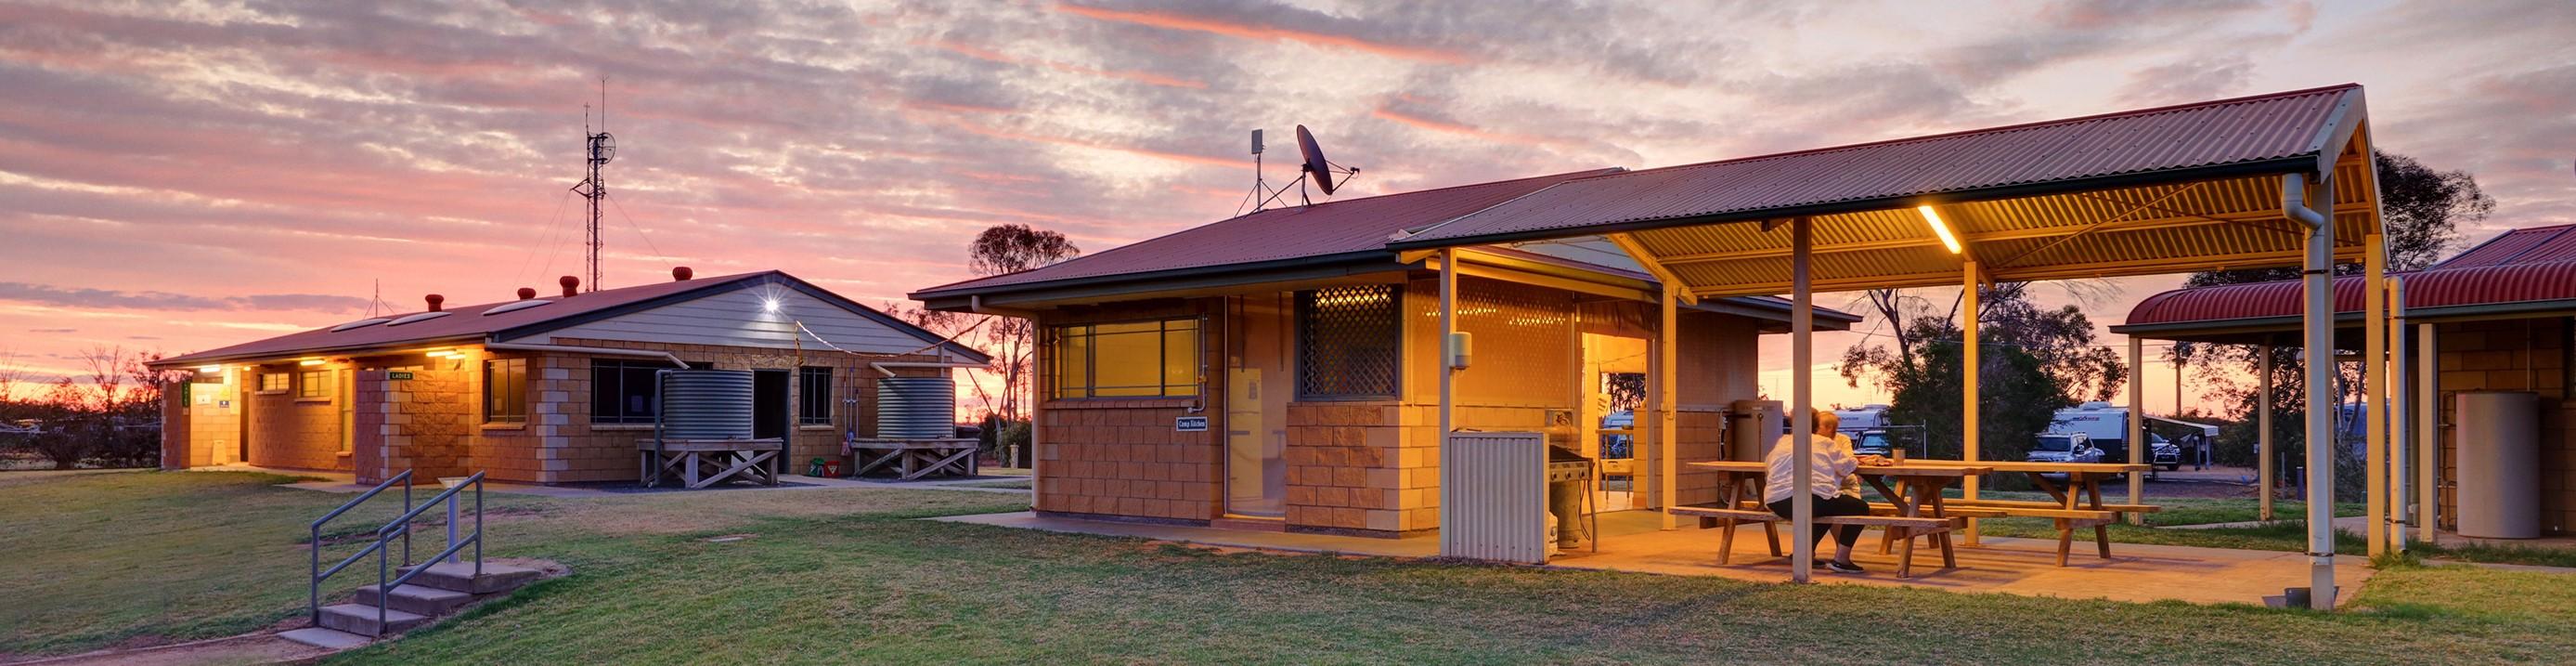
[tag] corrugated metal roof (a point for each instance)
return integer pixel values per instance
(2533, 244)
(2245, 130)
(2449, 287)
(1334, 227)
(468, 323)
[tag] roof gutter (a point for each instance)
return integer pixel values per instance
(596, 351)
(888, 366)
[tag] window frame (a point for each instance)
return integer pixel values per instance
(514, 388)
(807, 397)
(285, 382)
(1058, 335)
(652, 408)
(315, 385)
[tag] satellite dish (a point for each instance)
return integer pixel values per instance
(1315, 163)
(1315, 168)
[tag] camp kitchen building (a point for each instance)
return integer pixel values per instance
(1276, 370)
(553, 389)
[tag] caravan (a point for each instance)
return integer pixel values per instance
(2106, 427)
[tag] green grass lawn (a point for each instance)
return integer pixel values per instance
(840, 576)
(1022, 484)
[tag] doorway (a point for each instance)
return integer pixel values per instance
(769, 409)
(1258, 383)
(1614, 378)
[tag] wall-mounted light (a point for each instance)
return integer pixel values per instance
(309, 361)
(769, 305)
(211, 369)
(1939, 229)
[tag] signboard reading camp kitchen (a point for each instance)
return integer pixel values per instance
(1189, 423)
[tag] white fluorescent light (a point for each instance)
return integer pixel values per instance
(211, 368)
(1939, 229)
(309, 361)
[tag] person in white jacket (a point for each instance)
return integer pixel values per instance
(1831, 462)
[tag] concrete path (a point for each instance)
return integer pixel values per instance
(2135, 572)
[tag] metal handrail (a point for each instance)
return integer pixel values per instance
(384, 587)
(313, 590)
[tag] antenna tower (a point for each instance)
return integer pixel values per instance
(599, 148)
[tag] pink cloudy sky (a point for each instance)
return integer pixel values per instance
(181, 175)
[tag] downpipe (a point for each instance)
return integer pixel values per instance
(2318, 351)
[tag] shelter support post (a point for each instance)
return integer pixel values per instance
(2137, 435)
(1448, 377)
(1968, 365)
(2374, 411)
(1667, 424)
(2400, 437)
(2317, 327)
(2266, 464)
(1802, 353)
(2428, 434)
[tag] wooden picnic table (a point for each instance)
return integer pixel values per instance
(1915, 500)
(2077, 504)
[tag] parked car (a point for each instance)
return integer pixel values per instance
(2072, 447)
(1872, 443)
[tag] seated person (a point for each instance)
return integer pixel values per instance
(1830, 463)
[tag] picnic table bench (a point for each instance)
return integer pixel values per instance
(2078, 504)
(1915, 510)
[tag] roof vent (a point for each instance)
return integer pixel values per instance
(571, 285)
(434, 301)
(681, 274)
(514, 306)
(526, 293)
(412, 319)
(362, 323)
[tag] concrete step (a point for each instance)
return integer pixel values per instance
(459, 577)
(328, 639)
(417, 599)
(361, 619)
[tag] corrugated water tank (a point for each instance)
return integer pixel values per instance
(706, 404)
(916, 407)
(2498, 444)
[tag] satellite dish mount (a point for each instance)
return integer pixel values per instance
(1324, 173)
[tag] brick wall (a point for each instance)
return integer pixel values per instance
(2514, 355)
(1122, 457)
(291, 433)
(1363, 467)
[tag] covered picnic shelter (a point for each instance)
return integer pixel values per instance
(2274, 180)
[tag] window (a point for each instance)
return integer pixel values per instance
(1347, 342)
(1128, 360)
(314, 385)
(814, 396)
(505, 390)
(625, 391)
(275, 382)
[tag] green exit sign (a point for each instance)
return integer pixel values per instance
(398, 374)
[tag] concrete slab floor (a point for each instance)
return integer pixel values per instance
(344, 482)
(2135, 572)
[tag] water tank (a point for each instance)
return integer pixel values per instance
(707, 404)
(916, 408)
(2498, 444)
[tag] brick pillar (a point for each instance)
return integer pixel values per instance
(373, 416)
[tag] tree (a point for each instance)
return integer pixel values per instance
(2032, 361)
(1011, 248)
(2421, 209)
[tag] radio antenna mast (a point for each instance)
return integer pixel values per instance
(600, 148)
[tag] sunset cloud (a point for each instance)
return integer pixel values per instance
(190, 175)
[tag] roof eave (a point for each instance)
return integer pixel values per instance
(2304, 162)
